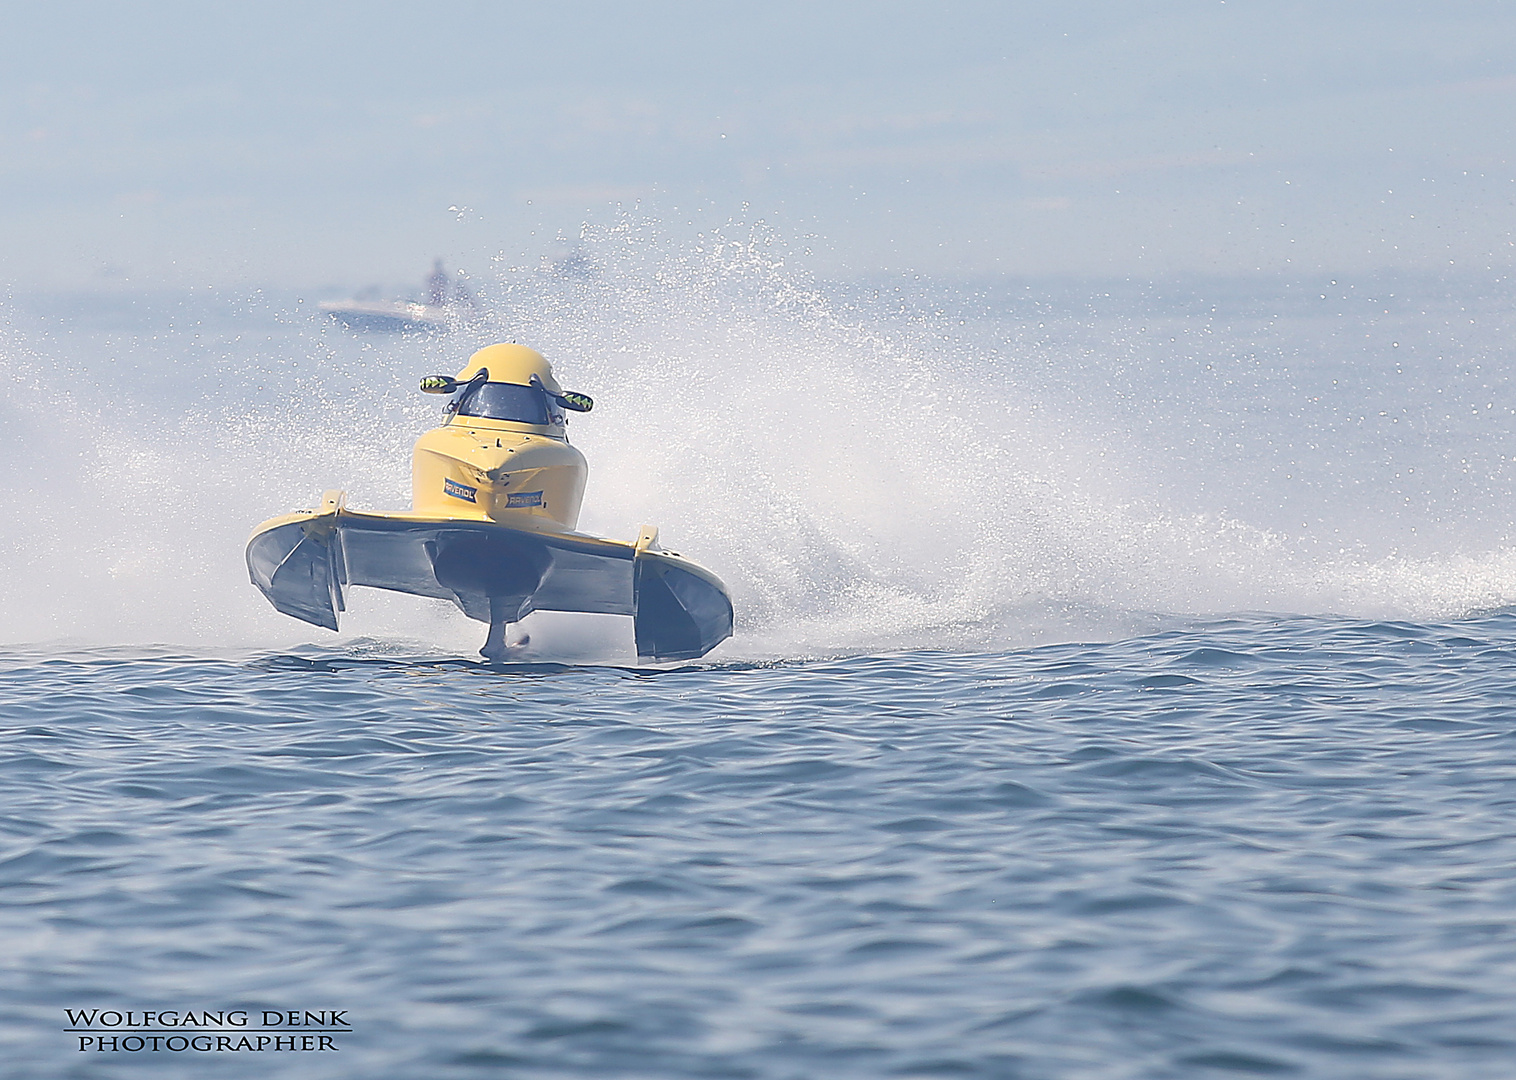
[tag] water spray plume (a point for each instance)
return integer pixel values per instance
(868, 469)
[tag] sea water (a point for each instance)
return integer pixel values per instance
(1121, 687)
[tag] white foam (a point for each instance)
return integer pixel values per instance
(863, 478)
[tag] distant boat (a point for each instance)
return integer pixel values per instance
(446, 295)
(386, 316)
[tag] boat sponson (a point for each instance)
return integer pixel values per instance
(303, 563)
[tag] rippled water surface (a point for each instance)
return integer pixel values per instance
(1107, 829)
(1249, 847)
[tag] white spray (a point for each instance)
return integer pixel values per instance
(866, 473)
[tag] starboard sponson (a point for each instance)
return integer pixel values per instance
(304, 562)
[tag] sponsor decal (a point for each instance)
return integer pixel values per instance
(459, 491)
(524, 498)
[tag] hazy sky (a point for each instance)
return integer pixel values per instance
(305, 143)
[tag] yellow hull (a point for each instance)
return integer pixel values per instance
(496, 473)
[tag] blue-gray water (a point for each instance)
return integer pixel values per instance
(1253, 847)
(1121, 687)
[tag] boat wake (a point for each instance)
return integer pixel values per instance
(900, 465)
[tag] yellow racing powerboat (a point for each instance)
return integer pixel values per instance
(496, 492)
